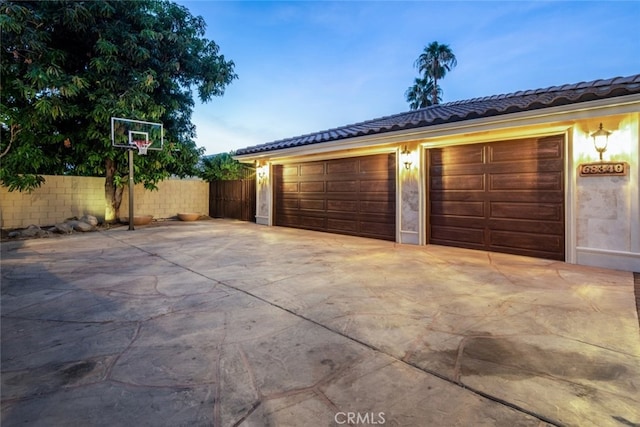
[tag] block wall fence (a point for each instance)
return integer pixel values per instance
(62, 197)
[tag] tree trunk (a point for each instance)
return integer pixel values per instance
(112, 193)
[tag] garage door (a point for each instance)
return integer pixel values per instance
(348, 196)
(499, 196)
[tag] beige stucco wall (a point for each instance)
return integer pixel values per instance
(607, 208)
(59, 198)
(62, 197)
(172, 197)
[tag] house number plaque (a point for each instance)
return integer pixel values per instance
(604, 169)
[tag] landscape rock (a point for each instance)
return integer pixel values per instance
(89, 219)
(62, 228)
(80, 225)
(30, 231)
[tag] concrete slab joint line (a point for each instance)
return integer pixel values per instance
(231, 324)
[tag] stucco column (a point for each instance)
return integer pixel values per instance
(409, 194)
(264, 203)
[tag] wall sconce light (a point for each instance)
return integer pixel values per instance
(262, 174)
(600, 140)
(406, 156)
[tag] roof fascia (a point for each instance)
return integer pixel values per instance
(584, 110)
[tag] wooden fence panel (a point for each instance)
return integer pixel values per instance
(233, 199)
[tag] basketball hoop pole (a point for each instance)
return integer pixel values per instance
(135, 134)
(131, 184)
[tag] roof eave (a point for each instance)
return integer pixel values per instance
(582, 110)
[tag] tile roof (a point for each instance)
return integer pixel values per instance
(457, 111)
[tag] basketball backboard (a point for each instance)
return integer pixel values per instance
(126, 132)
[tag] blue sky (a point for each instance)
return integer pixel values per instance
(306, 66)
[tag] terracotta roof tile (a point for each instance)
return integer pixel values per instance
(456, 111)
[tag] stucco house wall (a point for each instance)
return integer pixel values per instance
(602, 213)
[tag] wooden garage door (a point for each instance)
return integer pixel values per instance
(348, 196)
(499, 196)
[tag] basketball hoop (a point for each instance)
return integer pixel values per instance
(142, 145)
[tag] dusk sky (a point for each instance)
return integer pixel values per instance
(307, 66)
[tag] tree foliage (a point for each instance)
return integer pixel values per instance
(433, 63)
(69, 66)
(222, 167)
(420, 94)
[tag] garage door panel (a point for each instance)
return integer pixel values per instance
(458, 221)
(538, 242)
(457, 208)
(290, 204)
(311, 169)
(458, 182)
(289, 170)
(527, 197)
(289, 187)
(521, 209)
(342, 205)
(351, 196)
(342, 186)
(544, 148)
(445, 235)
(376, 206)
(342, 225)
(532, 211)
(466, 154)
(453, 170)
(342, 166)
(311, 204)
(312, 187)
(377, 186)
(375, 164)
(381, 229)
(526, 226)
(312, 222)
(525, 167)
(463, 196)
(526, 181)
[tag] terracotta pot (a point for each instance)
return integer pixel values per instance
(188, 216)
(138, 219)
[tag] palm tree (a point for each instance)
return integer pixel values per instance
(419, 95)
(434, 62)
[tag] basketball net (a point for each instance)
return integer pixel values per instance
(142, 146)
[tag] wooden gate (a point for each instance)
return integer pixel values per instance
(233, 199)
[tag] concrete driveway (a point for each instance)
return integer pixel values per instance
(223, 323)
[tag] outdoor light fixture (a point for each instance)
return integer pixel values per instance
(262, 174)
(406, 156)
(602, 168)
(600, 140)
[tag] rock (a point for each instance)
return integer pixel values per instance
(83, 226)
(80, 226)
(32, 231)
(13, 234)
(89, 219)
(63, 228)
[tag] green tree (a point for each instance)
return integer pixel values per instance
(420, 94)
(69, 66)
(222, 167)
(433, 63)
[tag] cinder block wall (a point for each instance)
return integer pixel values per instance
(172, 197)
(59, 198)
(62, 197)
